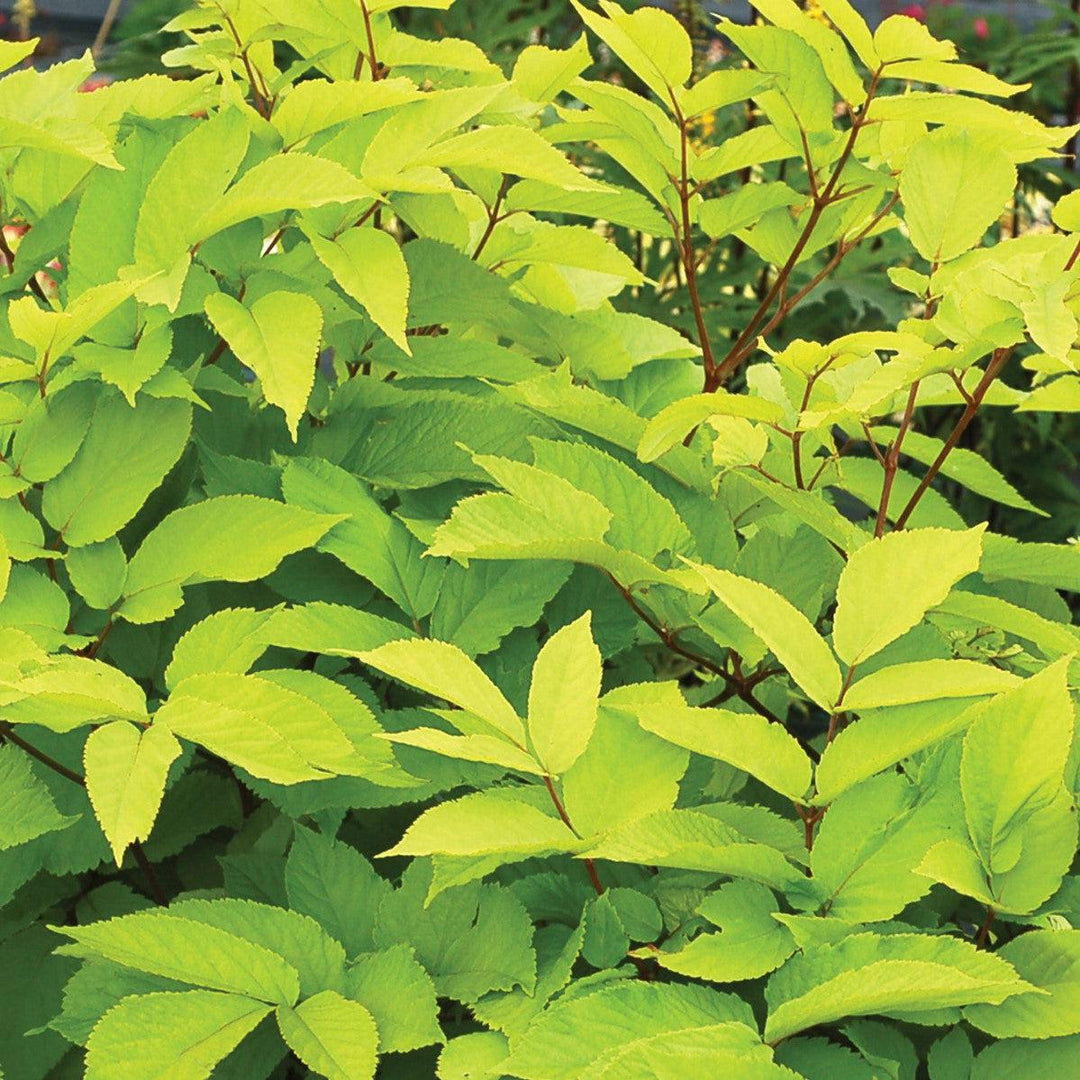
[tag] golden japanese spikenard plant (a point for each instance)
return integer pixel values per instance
(416, 661)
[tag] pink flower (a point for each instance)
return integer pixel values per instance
(981, 28)
(914, 11)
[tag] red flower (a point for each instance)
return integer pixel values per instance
(981, 28)
(914, 11)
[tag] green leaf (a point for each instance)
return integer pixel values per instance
(446, 672)
(1049, 960)
(577, 1033)
(97, 572)
(471, 940)
(606, 786)
(228, 538)
(229, 640)
(29, 809)
(927, 680)
(1003, 789)
(752, 942)
(563, 696)
(953, 188)
(784, 629)
(369, 541)
(901, 37)
(890, 583)
(273, 731)
(745, 740)
(741, 209)
(399, 994)
(870, 844)
(478, 606)
(1017, 1057)
(541, 74)
(335, 885)
(161, 943)
(125, 456)
(486, 823)
(369, 266)
(333, 1036)
(672, 423)
(894, 975)
(126, 771)
(181, 1035)
(694, 840)
(971, 80)
(650, 42)
(294, 181)
(278, 338)
(843, 15)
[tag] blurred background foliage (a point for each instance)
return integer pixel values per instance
(1034, 41)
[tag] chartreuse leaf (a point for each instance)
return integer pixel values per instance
(125, 456)
(927, 680)
(477, 1056)
(694, 840)
(446, 672)
(953, 188)
(369, 266)
(486, 823)
(752, 943)
(835, 59)
(177, 1034)
(890, 583)
(869, 846)
(577, 1036)
(228, 640)
(784, 629)
(893, 975)
(126, 769)
(563, 696)
(747, 741)
(332, 1036)
(606, 786)
(901, 37)
(66, 692)
(846, 19)
(278, 338)
(227, 538)
(541, 74)
(293, 181)
(1002, 789)
(274, 732)
(675, 421)
(161, 943)
(394, 987)
(650, 42)
(719, 1050)
(1049, 960)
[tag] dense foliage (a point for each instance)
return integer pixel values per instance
(463, 616)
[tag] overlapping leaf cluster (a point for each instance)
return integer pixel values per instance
(415, 664)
